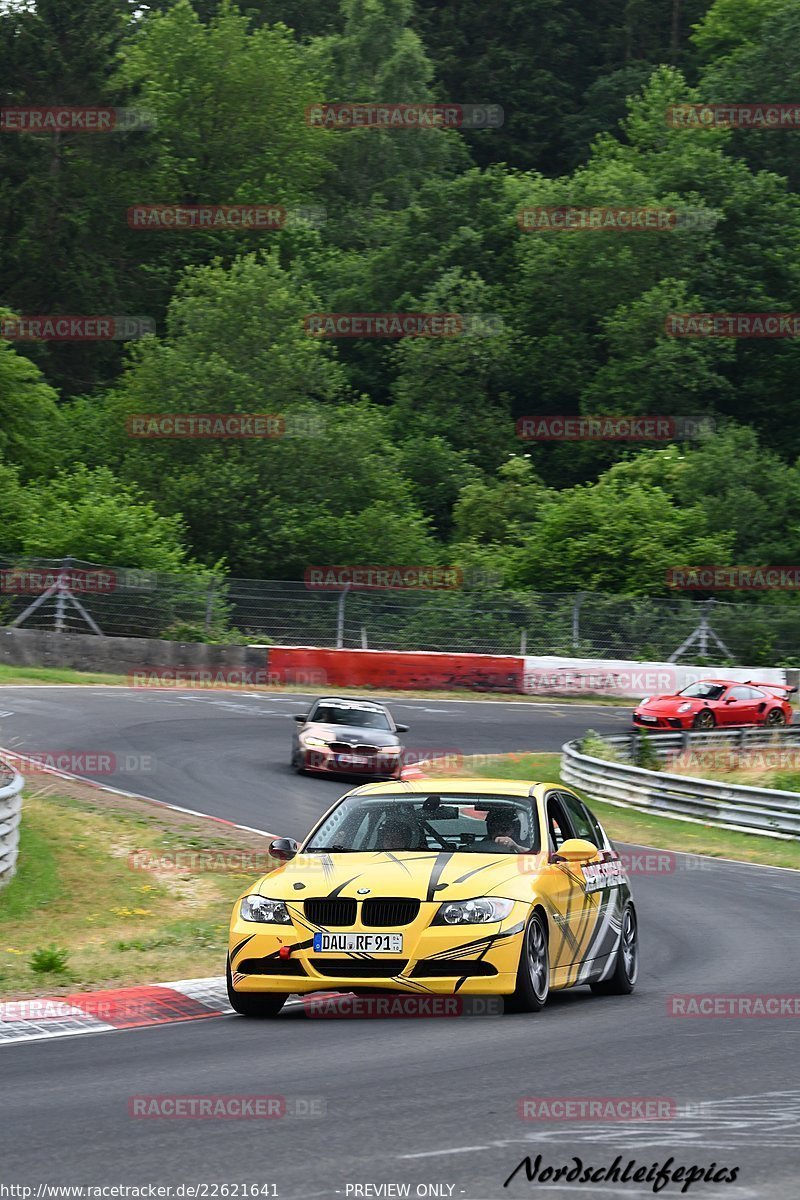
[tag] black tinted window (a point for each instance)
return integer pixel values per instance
(583, 822)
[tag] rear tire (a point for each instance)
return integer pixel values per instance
(533, 972)
(254, 1004)
(626, 968)
(775, 716)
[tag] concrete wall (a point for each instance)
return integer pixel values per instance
(123, 656)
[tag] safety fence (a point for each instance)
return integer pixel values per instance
(478, 616)
(705, 801)
(11, 784)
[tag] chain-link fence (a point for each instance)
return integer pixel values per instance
(81, 597)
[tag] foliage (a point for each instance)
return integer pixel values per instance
(406, 451)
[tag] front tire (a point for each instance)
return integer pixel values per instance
(626, 968)
(254, 1004)
(533, 972)
(705, 719)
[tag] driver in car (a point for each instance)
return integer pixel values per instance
(399, 833)
(502, 830)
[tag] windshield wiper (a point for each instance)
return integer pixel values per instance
(336, 848)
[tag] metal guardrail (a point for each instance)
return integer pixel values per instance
(11, 784)
(763, 811)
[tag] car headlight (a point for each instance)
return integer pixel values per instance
(389, 750)
(645, 700)
(309, 740)
(472, 912)
(268, 912)
(684, 707)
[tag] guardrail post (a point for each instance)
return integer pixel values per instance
(340, 617)
(10, 815)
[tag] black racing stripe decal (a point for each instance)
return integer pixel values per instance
(567, 936)
(488, 940)
(393, 858)
(439, 865)
(474, 871)
(338, 890)
(241, 946)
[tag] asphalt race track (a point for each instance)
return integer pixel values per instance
(430, 1102)
(228, 754)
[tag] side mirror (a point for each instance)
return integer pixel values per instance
(576, 850)
(401, 728)
(284, 849)
(303, 717)
(730, 700)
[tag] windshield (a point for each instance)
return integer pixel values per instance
(330, 712)
(472, 824)
(703, 691)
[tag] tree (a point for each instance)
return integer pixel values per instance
(236, 344)
(755, 57)
(29, 417)
(614, 537)
(378, 58)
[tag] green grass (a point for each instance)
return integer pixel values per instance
(10, 675)
(630, 825)
(76, 891)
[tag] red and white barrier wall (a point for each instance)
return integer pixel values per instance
(319, 667)
(393, 669)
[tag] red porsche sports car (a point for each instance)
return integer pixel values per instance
(717, 702)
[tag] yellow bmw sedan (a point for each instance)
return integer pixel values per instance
(490, 887)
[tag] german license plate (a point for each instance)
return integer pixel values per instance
(650, 720)
(363, 943)
(352, 760)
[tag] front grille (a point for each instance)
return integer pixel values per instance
(383, 913)
(450, 970)
(271, 966)
(346, 748)
(331, 910)
(382, 968)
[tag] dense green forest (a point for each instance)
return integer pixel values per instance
(404, 450)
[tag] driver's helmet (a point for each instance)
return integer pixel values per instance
(399, 832)
(503, 820)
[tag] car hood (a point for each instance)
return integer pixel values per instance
(352, 733)
(424, 875)
(660, 705)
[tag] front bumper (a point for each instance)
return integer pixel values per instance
(439, 959)
(327, 762)
(660, 722)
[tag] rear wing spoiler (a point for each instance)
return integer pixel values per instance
(771, 687)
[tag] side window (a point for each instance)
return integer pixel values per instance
(579, 818)
(558, 827)
(739, 693)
